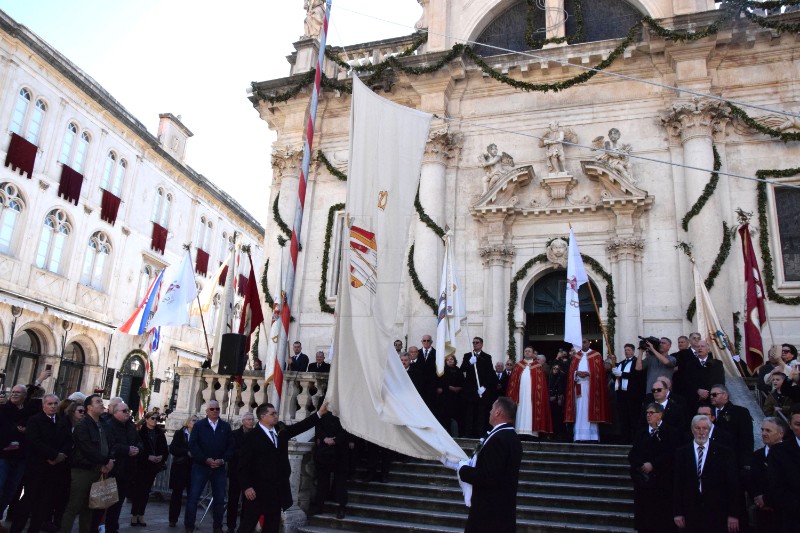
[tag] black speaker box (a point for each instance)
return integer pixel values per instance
(231, 354)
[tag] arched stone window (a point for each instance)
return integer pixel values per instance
(54, 236)
(73, 153)
(114, 174)
(26, 121)
(11, 206)
(95, 260)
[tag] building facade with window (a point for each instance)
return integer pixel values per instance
(92, 208)
(564, 112)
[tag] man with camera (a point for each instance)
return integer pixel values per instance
(654, 359)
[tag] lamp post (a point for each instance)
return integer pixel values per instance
(67, 325)
(16, 312)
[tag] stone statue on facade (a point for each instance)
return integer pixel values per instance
(613, 154)
(494, 165)
(557, 252)
(315, 18)
(553, 143)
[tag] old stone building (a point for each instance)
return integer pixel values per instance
(92, 207)
(624, 156)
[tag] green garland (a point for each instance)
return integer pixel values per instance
(780, 27)
(338, 174)
(707, 192)
(276, 215)
(611, 316)
(287, 95)
(782, 135)
(254, 350)
(423, 294)
(737, 332)
(265, 286)
(425, 219)
(724, 251)
(419, 41)
(538, 43)
(686, 36)
(326, 251)
(763, 237)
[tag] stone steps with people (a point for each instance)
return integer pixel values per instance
(562, 487)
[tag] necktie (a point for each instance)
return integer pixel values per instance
(273, 437)
(53, 419)
(700, 465)
(652, 431)
(426, 354)
(499, 374)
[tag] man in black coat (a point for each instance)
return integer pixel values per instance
(786, 479)
(319, 365)
(416, 371)
(331, 462)
(761, 473)
(427, 355)
(125, 445)
(502, 378)
(705, 484)
(737, 421)
(651, 460)
(299, 361)
(234, 489)
(674, 411)
(494, 474)
(479, 393)
(49, 438)
(702, 373)
(264, 468)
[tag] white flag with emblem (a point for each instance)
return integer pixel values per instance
(576, 276)
(177, 292)
(451, 306)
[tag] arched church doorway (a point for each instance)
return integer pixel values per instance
(23, 363)
(544, 314)
(131, 379)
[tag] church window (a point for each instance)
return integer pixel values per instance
(73, 153)
(787, 206)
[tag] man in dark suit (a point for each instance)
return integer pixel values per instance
(674, 411)
(416, 371)
(319, 365)
(234, 490)
(687, 352)
(478, 393)
(702, 373)
(502, 378)
(264, 468)
(299, 361)
(786, 475)
(737, 421)
(718, 435)
(427, 355)
(211, 447)
(628, 394)
(494, 474)
(651, 460)
(705, 484)
(49, 440)
(761, 472)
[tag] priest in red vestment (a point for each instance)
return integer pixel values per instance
(587, 394)
(527, 387)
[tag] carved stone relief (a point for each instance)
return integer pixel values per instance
(494, 164)
(625, 248)
(557, 252)
(442, 146)
(286, 161)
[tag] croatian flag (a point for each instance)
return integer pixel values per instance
(137, 323)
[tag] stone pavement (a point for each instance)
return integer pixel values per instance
(157, 519)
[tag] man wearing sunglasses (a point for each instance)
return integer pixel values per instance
(125, 445)
(211, 446)
(674, 414)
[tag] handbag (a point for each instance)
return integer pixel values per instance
(103, 493)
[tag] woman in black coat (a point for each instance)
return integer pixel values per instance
(151, 461)
(181, 469)
(448, 394)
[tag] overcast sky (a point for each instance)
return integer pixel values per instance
(196, 58)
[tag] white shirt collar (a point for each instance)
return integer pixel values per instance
(213, 424)
(266, 429)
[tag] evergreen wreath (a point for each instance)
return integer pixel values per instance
(421, 39)
(425, 219)
(265, 286)
(708, 190)
(423, 294)
(716, 268)
(335, 172)
(538, 43)
(326, 251)
(611, 315)
(737, 332)
(744, 117)
(276, 216)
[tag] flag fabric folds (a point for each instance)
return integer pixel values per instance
(756, 313)
(177, 292)
(206, 296)
(369, 389)
(576, 276)
(137, 323)
(252, 315)
(225, 315)
(273, 365)
(451, 307)
(710, 327)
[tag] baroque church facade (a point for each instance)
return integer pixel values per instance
(526, 142)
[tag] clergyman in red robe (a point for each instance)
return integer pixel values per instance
(586, 380)
(531, 395)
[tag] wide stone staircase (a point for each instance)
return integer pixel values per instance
(563, 487)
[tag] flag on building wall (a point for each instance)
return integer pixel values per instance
(137, 323)
(369, 390)
(451, 306)
(756, 313)
(176, 295)
(576, 276)
(206, 296)
(225, 313)
(252, 315)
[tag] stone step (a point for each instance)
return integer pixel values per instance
(468, 445)
(620, 477)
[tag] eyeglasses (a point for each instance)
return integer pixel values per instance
(715, 394)
(428, 340)
(476, 342)
(651, 412)
(657, 390)
(81, 411)
(786, 350)
(213, 408)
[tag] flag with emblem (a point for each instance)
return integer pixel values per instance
(576, 276)
(177, 292)
(451, 307)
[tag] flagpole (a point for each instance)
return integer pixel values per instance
(203, 322)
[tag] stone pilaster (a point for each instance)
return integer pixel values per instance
(626, 254)
(497, 260)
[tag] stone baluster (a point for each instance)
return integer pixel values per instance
(290, 392)
(247, 396)
(306, 381)
(259, 392)
(208, 391)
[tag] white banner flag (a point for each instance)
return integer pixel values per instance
(178, 290)
(576, 276)
(451, 307)
(369, 390)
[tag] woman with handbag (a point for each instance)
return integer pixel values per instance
(152, 460)
(181, 469)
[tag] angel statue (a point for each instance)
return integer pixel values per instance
(613, 154)
(553, 143)
(494, 165)
(315, 17)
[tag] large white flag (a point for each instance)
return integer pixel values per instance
(369, 390)
(273, 366)
(225, 314)
(177, 292)
(576, 276)
(451, 306)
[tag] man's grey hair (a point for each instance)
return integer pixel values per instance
(777, 421)
(721, 387)
(657, 407)
(700, 418)
(248, 415)
(115, 399)
(51, 395)
(116, 407)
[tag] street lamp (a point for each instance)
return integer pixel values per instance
(16, 312)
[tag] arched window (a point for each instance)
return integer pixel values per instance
(73, 153)
(223, 247)
(11, 206)
(114, 174)
(204, 234)
(51, 243)
(94, 262)
(37, 118)
(146, 275)
(162, 207)
(20, 110)
(26, 121)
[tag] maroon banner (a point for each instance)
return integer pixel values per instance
(223, 276)
(69, 188)
(756, 314)
(241, 284)
(21, 155)
(109, 207)
(158, 241)
(252, 316)
(201, 264)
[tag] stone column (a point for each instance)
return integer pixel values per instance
(429, 248)
(555, 19)
(625, 254)
(497, 260)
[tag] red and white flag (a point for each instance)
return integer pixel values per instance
(756, 314)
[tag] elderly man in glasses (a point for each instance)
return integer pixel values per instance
(125, 445)
(211, 446)
(674, 411)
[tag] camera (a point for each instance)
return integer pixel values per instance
(655, 341)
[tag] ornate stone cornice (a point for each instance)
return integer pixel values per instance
(442, 146)
(286, 162)
(625, 248)
(698, 117)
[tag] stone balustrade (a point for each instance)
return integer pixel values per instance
(371, 53)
